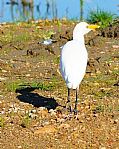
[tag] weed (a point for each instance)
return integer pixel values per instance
(21, 37)
(45, 86)
(47, 35)
(98, 109)
(26, 120)
(59, 25)
(12, 86)
(57, 60)
(103, 18)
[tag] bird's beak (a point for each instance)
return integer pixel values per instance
(93, 27)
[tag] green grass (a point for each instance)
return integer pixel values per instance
(12, 86)
(42, 86)
(101, 17)
(26, 121)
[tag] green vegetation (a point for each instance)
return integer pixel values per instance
(12, 86)
(26, 121)
(103, 18)
(42, 86)
(98, 109)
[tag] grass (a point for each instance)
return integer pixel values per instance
(44, 86)
(26, 120)
(103, 18)
(12, 86)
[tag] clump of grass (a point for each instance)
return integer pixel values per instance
(59, 25)
(26, 121)
(43, 86)
(98, 109)
(22, 37)
(101, 17)
(47, 35)
(12, 86)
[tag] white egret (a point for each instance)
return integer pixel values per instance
(73, 59)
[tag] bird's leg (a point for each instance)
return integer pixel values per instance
(76, 102)
(68, 105)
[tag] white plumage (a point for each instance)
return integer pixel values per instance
(73, 60)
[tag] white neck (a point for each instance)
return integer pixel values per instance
(80, 39)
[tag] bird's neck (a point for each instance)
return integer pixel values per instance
(80, 39)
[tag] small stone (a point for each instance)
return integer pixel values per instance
(115, 46)
(60, 120)
(41, 108)
(4, 70)
(19, 146)
(116, 121)
(33, 116)
(2, 78)
(102, 148)
(27, 75)
(52, 112)
(34, 111)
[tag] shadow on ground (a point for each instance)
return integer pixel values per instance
(35, 99)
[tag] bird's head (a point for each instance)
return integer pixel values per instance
(83, 28)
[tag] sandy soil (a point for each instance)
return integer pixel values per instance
(33, 94)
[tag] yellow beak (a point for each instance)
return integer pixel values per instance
(93, 27)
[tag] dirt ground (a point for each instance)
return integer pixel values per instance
(33, 94)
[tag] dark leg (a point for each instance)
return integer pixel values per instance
(76, 102)
(68, 106)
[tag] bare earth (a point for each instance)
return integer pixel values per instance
(33, 94)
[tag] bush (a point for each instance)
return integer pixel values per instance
(103, 18)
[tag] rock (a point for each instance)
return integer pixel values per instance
(2, 78)
(115, 46)
(52, 112)
(33, 116)
(60, 120)
(42, 108)
(33, 111)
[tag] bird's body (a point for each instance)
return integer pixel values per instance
(73, 63)
(74, 57)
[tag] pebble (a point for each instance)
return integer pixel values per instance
(34, 111)
(19, 146)
(2, 78)
(2, 112)
(60, 120)
(102, 148)
(42, 108)
(115, 46)
(116, 121)
(52, 112)
(33, 116)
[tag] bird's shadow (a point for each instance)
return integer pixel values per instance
(26, 95)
